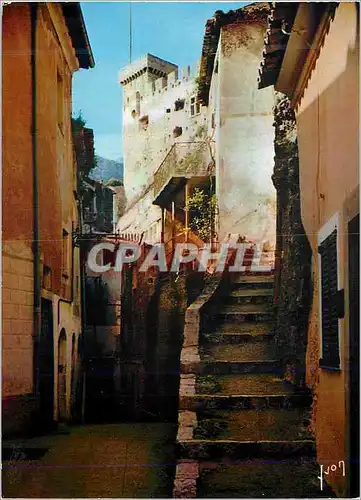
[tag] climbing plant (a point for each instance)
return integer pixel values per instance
(202, 207)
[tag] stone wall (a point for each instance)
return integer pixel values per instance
(293, 290)
(148, 355)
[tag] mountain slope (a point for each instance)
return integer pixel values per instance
(108, 169)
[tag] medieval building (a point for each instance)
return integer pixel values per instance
(163, 123)
(43, 45)
(240, 123)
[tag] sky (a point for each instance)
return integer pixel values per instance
(172, 31)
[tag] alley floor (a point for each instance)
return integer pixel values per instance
(108, 461)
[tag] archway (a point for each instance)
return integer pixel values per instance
(62, 376)
(73, 373)
(46, 366)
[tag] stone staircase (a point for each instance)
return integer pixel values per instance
(243, 431)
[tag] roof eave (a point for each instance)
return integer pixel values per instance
(78, 34)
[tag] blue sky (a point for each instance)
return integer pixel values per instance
(173, 31)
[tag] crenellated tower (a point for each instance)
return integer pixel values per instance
(160, 108)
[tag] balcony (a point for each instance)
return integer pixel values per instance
(185, 160)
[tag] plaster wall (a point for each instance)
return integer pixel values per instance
(55, 57)
(328, 136)
(244, 140)
(17, 255)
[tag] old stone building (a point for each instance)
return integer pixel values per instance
(204, 133)
(323, 93)
(240, 123)
(163, 123)
(43, 45)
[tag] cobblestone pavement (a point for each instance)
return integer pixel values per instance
(107, 461)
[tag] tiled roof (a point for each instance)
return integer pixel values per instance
(280, 26)
(211, 37)
(280, 22)
(78, 34)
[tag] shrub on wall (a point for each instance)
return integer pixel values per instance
(202, 206)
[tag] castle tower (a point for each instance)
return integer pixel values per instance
(160, 110)
(140, 80)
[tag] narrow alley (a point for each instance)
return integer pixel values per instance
(92, 461)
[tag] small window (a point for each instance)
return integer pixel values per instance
(179, 104)
(177, 132)
(331, 302)
(47, 278)
(144, 122)
(60, 101)
(195, 106)
(137, 103)
(168, 110)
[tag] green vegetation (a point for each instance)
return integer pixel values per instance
(202, 206)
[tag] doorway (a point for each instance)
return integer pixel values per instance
(62, 376)
(354, 318)
(46, 365)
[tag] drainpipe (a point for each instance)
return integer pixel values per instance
(36, 244)
(83, 312)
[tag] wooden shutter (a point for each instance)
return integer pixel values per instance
(330, 298)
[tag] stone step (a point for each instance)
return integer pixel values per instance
(248, 391)
(252, 281)
(251, 296)
(260, 478)
(250, 385)
(230, 337)
(207, 402)
(259, 351)
(269, 424)
(234, 333)
(244, 309)
(230, 367)
(242, 313)
(199, 449)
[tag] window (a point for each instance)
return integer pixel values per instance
(168, 110)
(179, 104)
(137, 103)
(47, 278)
(65, 254)
(144, 122)
(331, 299)
(195, 106)
(177, 132)
(60, 101)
